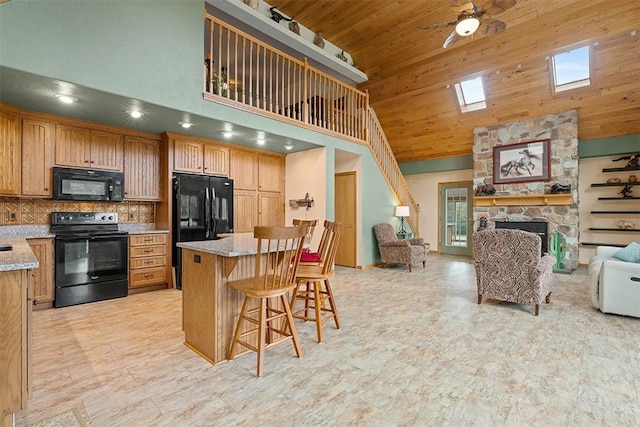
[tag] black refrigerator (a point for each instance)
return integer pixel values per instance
(202, 209)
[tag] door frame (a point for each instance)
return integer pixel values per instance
(442, 186)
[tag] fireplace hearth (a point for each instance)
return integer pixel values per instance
(538, 227)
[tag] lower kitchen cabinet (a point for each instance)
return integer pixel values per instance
(42, 278)
(147, 260)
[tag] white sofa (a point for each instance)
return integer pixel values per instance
(615, 284)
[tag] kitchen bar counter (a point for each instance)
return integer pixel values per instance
(210, 308)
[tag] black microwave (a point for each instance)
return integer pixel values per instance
(87, 185)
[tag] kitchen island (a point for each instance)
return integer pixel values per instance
(210, 308)
(16, 259)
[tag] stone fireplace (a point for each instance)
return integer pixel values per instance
(518, 201)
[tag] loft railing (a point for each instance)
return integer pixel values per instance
(247, 73)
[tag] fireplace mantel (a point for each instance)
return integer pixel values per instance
(525, 200)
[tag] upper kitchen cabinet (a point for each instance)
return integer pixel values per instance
(85, 148)
(270, 173)
(243, 167)
(196, 156)
(141, 169)
(37, 157)
(9, 152)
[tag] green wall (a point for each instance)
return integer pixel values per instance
(151, 50)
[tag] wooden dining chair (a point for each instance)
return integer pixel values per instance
(311, 226)
(314, 289)
(266, 319)
(314, 257)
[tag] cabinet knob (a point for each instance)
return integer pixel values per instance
(86, 161)
(46, 189)
(91, 161)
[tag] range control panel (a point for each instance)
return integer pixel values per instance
(86, 218)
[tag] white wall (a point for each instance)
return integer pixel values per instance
(306, 172)
(424, 188)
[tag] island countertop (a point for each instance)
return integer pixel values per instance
(21, 257)
(232, 245)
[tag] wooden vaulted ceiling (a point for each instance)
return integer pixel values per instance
(411, 75)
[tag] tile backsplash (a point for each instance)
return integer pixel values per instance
(15, 211)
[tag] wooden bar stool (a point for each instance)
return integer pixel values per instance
(311, 226)
(314, 288)
(321, 253)
(271, 322)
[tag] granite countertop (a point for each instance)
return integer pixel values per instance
(148, 231)
(25, 232)
(21, 257)
(140, 228)
(232, 245)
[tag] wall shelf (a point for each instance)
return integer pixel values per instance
(618, 198)
(619, 184)
(617, 212)
(628, 230)
(615, 245)
(525, 200)
(636, 168)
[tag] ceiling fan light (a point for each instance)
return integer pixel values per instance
(467, 25)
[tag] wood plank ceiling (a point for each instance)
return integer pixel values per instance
(411, 75)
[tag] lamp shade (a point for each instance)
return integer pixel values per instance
(467, 25)
(402, 211)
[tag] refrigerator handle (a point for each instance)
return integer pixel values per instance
(207, 213)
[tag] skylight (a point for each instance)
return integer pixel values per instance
(470, 95)
(571, 70)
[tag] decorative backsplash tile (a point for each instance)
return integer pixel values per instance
(16, 211)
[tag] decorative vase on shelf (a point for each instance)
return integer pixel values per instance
(253, 3)
(220, 84)
(319, 40)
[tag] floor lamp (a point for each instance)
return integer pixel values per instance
(402, 212)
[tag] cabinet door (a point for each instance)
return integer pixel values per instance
(245, 212)
(216, 160)
(270, 173)
(270, 210)
(42, 277)
(187, 156)
(243, 169)
(106, 150)
(9, 153)
(72, 147)
(141, 169)
(37, 157)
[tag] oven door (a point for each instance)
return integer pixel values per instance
(90, 259)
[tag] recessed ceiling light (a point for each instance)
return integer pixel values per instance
(135, 114)
(227, 134)
(186, 125)
(288, 147)
(67, 99)
(261, 141)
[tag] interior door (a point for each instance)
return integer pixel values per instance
(456, 218)
(345, 213)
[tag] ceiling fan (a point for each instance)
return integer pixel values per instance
(472, 16)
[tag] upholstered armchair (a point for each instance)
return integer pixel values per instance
(399, 251)
(615, 284)
(509, 267)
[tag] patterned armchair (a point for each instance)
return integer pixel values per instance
(509, 267)
(395, 251)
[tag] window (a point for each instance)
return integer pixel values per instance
(470, 95)
(571, 70)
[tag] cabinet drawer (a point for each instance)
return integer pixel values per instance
(146, 251)
(146, 262)
(148, 239)
(147, 276)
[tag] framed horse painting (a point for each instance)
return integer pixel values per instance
(523, 162)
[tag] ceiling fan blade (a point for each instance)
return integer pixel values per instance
(453, 37)
(460, 6)
(440, 25)
(494, 7)
(491, 27)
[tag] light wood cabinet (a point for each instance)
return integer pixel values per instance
(270, 209)
(216, 160)
(141, 169)
(187, 156)
(15, 351)
(243, 168)
(270, 173)
(9, 153)
(42, 281)
(37, 157)
(147, 260)
(85, 148)
(199, 157)
(245, 211)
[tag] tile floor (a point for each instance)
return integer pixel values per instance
(414, 350)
